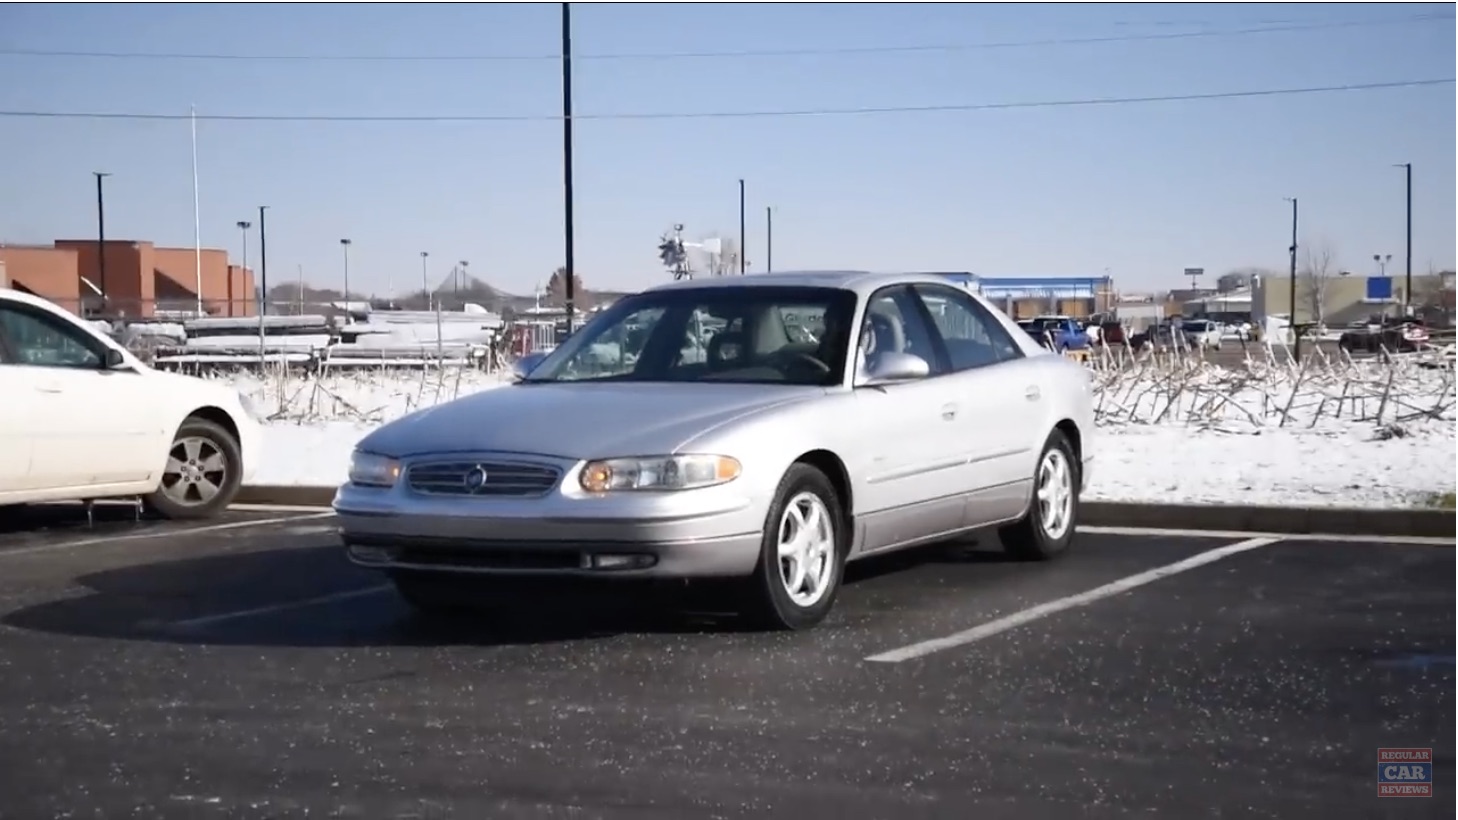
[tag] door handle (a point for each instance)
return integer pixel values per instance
(949, 412)
(47, 388)
(1032, 393)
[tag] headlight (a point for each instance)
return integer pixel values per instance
(250, 408)
(370, 470)
(686, 472)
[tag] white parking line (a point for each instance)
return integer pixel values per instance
(270, 609)
(160, 533)
(1017, 619)
(1414, 540)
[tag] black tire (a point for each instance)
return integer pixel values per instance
(176, 503)
(768, 604)
(1029, 538)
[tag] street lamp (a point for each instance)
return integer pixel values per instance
(1291, 322)
(100, 238)
(425, 278)
(243, 225)
(346, 243)
(1407, 286)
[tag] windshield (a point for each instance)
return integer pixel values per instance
(753, 335)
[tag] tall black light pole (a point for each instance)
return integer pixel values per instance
(345, 243)
(262, 262)
(1292, 322)
(1407, 287)
(742, 249)
(100, 239)
(769, 240)
(243, 225)
(568, 268)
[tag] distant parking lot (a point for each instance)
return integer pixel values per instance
(243, 668)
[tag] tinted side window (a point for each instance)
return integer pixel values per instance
(38, 340)
(973, 337)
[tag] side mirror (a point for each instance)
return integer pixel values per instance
(523, 367)
(113, 359)
(891, 368)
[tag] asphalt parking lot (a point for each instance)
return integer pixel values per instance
(243, 668)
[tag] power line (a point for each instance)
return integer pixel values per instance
(688, 115)
(748, 53)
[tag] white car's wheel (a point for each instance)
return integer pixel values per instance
(203, 472)
(1047, 529)
(802, 553)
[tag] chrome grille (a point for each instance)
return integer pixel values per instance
(462, 478)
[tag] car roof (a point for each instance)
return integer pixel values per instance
(26, 298)
(861, 282)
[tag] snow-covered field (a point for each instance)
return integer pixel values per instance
(1333, 432)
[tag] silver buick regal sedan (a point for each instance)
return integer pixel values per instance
(763, 430)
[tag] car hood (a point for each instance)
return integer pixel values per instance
(578, 421)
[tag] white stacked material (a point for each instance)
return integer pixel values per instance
(1336, 434)
(242, 343)
(224, 324)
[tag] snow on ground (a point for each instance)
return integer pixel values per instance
(1335, 434)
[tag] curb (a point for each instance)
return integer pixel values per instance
(1413, 523)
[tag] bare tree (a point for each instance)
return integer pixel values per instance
(1318, 268)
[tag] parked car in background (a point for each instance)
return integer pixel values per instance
(913, 411)
(1057, 333)
(82, 419)
(1202, 333)
(1394, 334)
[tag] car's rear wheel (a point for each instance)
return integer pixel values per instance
(203, 472)
(1047, 529)
(802, 554)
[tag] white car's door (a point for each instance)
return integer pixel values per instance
(17, 409)
(911, 487)
(999, 399)
(90, 427)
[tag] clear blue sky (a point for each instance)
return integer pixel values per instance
(1141, 190)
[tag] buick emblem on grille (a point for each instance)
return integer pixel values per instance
(476, 478)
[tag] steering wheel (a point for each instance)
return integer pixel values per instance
(796, 357)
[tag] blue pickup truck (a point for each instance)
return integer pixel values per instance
(1058, 333)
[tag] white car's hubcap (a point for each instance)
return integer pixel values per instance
(806, 549)
(1055, 494)
(196, 472)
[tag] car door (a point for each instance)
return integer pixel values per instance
(908, 435)
(89, 427)
(17, 411)
(997, 391)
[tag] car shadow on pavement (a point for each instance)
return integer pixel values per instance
(313, 597)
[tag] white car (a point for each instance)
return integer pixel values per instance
(1200, 333)
(83, 419)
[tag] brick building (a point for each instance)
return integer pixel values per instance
(141, 279)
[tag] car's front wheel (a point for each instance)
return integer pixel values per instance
(1047, 529)
(802, 554)
(203, 472)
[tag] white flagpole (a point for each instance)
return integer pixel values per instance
(196, 217)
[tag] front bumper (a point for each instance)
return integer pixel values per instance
(698, 535)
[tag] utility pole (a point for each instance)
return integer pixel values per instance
(425, 277)
(769, 240)
(262, 261)
(243, 225)
(568, 268)
(742, 249)
(1407, 286)
(100, 241)
(346, 243)
(1296, 337)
